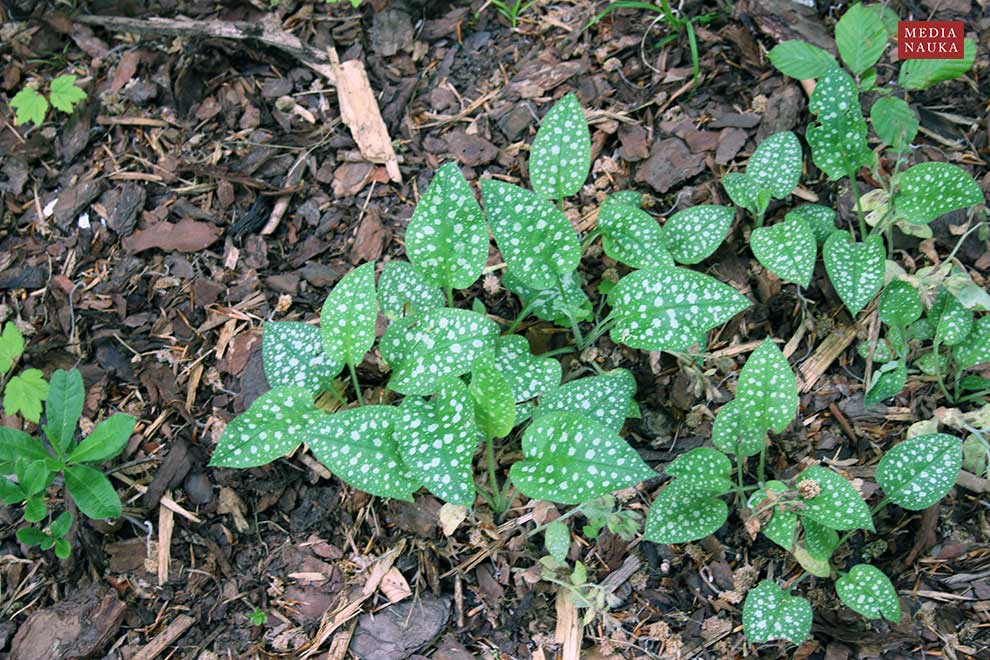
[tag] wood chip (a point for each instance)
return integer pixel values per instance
(164, 639)
(166, 523)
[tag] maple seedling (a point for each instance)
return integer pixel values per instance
(31, 105)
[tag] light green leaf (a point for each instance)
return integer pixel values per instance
(536, 240)
(819, 540)
(918, 472)
(895, 122)
(861, 37)
(403, 291)
(436, 441)
(447, 238)
(29, 106)
(32, 477)
(347, 320)
(766, 395)
(359, 446)
(61, 525)
(275, 424)
(64, 94)
(838, 140)
(31, 536)
(494, 401)
(16, 445)
(801, 60)
(11, 346)
(782, 526)
(560, 157)
(776, 164)
(565, 299)
(975, 348)
(570, 459)
(681, 514)
(694, 234)
(632, 236)
(837, 505)
(887, 381)
(820, 219)
(881, 353)
(856, 270)
(929, 190)
(744, 192)
(703, 469)
(900, 304)
(528, 375)
(64, 407)
(867, 591)
(922, 74)
(817, 567)
(35, 508)
(952, 321)
(62, 549)
(733, 433)
(770, 613)
(106, 441)
(933, 364)
(293, 356)
(603, 398)
(92, 492)
(787, 249)
(667, 309)
(25, 393)
(438, 343)
(557, 538)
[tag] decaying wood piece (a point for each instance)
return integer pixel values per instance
(359, 111)
(832, 347)
(569, 629)
(165, 638)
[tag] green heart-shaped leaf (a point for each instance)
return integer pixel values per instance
(536, 240)
(347, 320)
(604, 398)
(275, 424)
(856, 270)
(860, 37)
(403, 291)
(733, 433)
(630, 235)
(558, 304)
(560, 157)
(888, 381)
(952, 321)
(438, 343)
(776, 164)
(801, 60)
(820, 220)
(570, 459)
(703, 469)
(771, 613)
(918, 472)
(975, 348)
(494, 401)
(895, 122)
(694, 234)
(745, 192)
(929, 190)
(766, 395)
(837, 504)
(787, 249)
(681, 514)
(528, 375)
(900, 304)
(819, 540)
(293, 356)
(447, 238)
(667, 309)
(359, 446)
(867, 591)
(838, 140)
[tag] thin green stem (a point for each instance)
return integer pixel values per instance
(881, 505)
(600, 329)
(740, 487)
(576, 331)
(859, 209)
(523, 313)
(763, 463)
(563, 350)
(337, 395)
(498, 502)
(450, 296)
(573, 512)
(589, 239)
(357, 386)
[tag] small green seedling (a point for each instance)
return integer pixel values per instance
(25, 392)
(258, 617)
(511, 10)
(31, 105)
(34, 464)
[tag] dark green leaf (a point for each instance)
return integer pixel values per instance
(861, 38)
(867, 591)
(766, 395)
(16, 444)
(293, 356)
(819, 540)
(929, 190)
(494, 401)
(694, 234)
(952, 321)
(733, 433)
(528, 375)
(975, 348)
(801, 60)
(275, 424)
(837, 504)
(922, 74)
(30, 536)
(770, 613)
(703, 469)
(787, 249)
(61, 525)
(895, 122)
(820, 219)
(603, 398)
(64, 407)
(560, 157)
(919, 471)
(632, 236)
(92, 492)
(681, 514)
(106, 441)
(888, 381)
(402, 291)
(856, 270)
(559, 304)
(776, 164)
(557, 538)
(900, 304)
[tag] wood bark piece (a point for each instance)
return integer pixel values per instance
(78, 627)
(569, 629)
(359, 111)
(832, 347)
(166, 523)
(164, 639)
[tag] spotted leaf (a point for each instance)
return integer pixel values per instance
(703, 469)
(929, 190)
(771, 613)
(681, 514)
(494, 401)
(766, 394)
(838, 139)
(630, 235)
(528, 375)
(557, 538)
(887, 381)
(975, 349)
(856, 270)
(733, 433)
(783, 524)
(569, 459)
(403, 291)
(667, 309)
(776, 164)
(694, 234)
(536, 240)
(557, 304)
(867, 591)
(293, 355)
(447, 238)
(275, 424)
(820, 220)
(438, 343)
(787, 249)
(745, 192)
(347, 320)
(560, 158)
(919, 471)
(437, 439)
(604, 398)
(952, 321)
(359, 446)
(900, 304)
(837, 504)
(819, 540)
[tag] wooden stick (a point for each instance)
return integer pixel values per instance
(164, 639)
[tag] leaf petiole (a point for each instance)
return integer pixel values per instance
(354, 381)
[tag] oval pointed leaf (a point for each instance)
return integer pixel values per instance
(604, 398)
(860, 36)
(744, 192)
(558, 304)
(557, 538)
(358, 445)
(438, 343)
(895, 122)
(820, 220)
(771, 613)
(900, 304)
(681, 514)
(494, 401)
(787, 249)
(783, 524)
(275, 424)
(64, 407)
(975, 349)
(347, 320)
(561, 154)
(838, 140)
(528, 375)
(92, 492)
(801, 60)
(766, 394)
(694, 234)
(819, 540)
(919, 471)
(293, 356)
(403, 291)
(447, 238)
(922, 74)
(929, 190)
(667, 309)
(952, 321)
(437, 439)
(570, 459)
(733, 433)
(703, 469)
(631, 236)
(776, 164)
(867, 591)
(888, 381)
(856, 270)
(108, 439)
(837, 504)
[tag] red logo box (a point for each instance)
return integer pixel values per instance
(930, 40)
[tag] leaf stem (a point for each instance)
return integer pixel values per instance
(357, 386)
(523, 313)
(600, 329)
(763, 463)
(573, 512)
(498, 501)
(563, 350)
(859, 209)
(450, 295)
